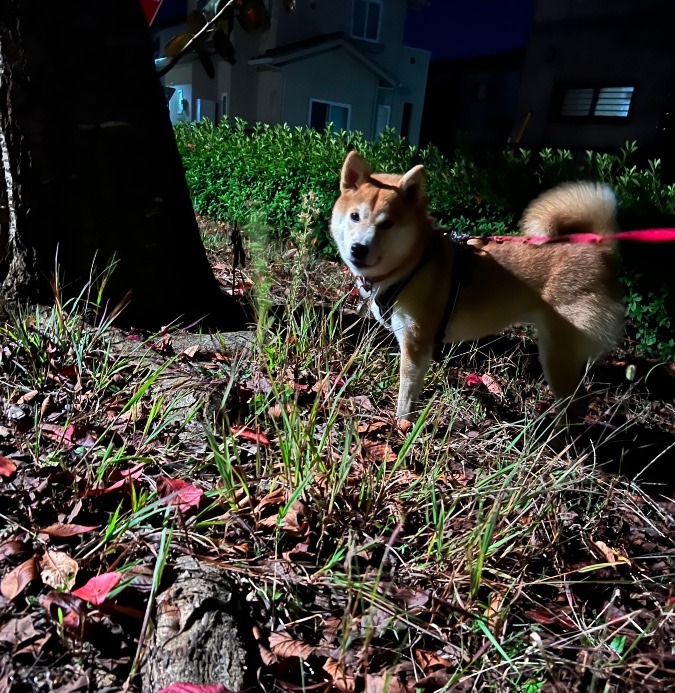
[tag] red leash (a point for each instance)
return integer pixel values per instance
(643, 236)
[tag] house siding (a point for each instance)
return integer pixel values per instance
(597, 43)
(278, 91)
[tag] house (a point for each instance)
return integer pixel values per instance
(597, 74)
(338, 61)
(472, 102)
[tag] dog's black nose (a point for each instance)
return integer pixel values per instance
(359, 251)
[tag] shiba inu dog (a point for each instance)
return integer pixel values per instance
(428, 289)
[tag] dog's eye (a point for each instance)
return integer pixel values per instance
(386, 224)
(354, 216)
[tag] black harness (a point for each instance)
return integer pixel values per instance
(462, 269)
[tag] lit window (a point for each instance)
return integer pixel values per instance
(577, 102)
(597, 102)
(613, 102)
(366, 19)
(323, 112)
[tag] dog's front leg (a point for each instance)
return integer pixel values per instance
(415, 360)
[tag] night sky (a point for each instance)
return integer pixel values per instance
(469, 28)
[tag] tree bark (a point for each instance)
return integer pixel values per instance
(90, 167)
(200, 631)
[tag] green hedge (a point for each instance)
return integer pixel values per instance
(239, 173)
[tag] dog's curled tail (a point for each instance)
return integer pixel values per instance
(581, 207)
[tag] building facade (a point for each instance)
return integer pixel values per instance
(338, 61)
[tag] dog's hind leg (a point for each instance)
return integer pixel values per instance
(564, 356)
(415, 360)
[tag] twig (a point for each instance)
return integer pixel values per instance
(188, 46)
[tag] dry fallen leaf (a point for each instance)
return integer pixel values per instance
(491, 384)
(342, 681)
(58, 570)
(16, 580)
(609, 554)
(285, 645)
(60, 529)
(379, 452)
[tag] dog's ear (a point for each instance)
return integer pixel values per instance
(413, 185)
(354, 172)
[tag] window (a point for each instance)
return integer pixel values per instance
(406, 119)
(366, 18)
(597, 102)
(382, 118)
(223, 105)
(323, 112)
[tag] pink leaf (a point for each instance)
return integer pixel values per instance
(491, 384)
(472, 380)
(180, 493)
(7, 467)
(255, 436)
(96, 590)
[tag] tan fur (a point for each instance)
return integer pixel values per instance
(569, 292)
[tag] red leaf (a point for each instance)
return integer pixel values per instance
(7, 467)
(180, 493)
(96, 590)
(126, 477)
(14, 582)
(472, 380)
(66, 530)
(255, 436)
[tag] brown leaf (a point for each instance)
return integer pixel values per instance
(28, 397)
(267, 656)
(379, 452)
(58, 570)
(342, 681)
(14, 582)
(371, 426)
(18, 631)
(60, 529)
(609, 554)
(294, 521)
(559, 618)
(11, 547)
(491, 384)
(276, 497)
(62, 607)
(385, 683)
(190, 351)
(285, 645)
(429, 661)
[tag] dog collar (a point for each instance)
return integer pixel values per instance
(386, 299)
(462, 270)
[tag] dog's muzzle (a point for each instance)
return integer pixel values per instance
(359, 252)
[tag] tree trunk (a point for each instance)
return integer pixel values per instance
(91, 170)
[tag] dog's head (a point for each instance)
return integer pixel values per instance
(380, 220)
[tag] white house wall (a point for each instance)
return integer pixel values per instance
(336, 77)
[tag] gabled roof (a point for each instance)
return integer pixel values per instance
(309, 48)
